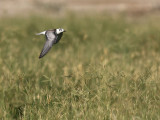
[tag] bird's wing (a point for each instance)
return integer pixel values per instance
(50, 38)
(50, 35)
(46, 48)
(59, 37)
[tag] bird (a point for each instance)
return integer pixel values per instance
(52, 36)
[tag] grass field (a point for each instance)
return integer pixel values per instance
(102, 69)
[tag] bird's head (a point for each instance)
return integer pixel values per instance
(60, 30)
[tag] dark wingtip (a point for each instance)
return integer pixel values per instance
(40, 57)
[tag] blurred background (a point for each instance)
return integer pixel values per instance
(105, 67)
(52, 7)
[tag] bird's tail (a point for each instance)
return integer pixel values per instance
(41, 33)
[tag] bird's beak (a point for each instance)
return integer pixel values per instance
(64, 31)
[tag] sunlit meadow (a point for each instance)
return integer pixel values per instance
(103, 68)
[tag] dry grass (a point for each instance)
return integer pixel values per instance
(103, 68)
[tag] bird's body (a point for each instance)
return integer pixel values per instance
(52, 37)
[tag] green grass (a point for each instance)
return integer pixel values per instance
(103, 68)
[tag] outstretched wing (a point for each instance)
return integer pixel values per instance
(59, 36)
(46, 48)
(50, 38)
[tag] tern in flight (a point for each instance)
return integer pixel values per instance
(52, 37)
